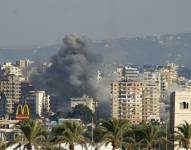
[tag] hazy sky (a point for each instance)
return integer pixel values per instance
(45, 22)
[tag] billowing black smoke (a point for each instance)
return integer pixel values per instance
(73, 69)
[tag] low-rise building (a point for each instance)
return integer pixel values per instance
(84, 100)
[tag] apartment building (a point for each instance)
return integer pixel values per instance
(151, 96)
(23, 64)
(10, 86)
(137, 99)
(127, 100)
(127, 72)
(131, 73)
(39, 102)
(168, 75)
(10, 69)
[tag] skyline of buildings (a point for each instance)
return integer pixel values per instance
(136, 94)
(16, 89)
(132, 91)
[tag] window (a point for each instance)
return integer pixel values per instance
(184, 105)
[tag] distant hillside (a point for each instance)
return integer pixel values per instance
(140, 50)
(10, 53)
(149, 50)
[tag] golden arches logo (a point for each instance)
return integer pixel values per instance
(22, 112)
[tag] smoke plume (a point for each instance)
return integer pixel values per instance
(73, 69)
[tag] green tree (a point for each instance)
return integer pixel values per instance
(113, 132)
(33, 134)
(97, 138)
(70, 133)
(83, 112)
(183, 135)
(132, 138)
(57, 135)
(152, 135)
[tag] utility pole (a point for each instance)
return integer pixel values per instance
(166, 134)
(92, 131)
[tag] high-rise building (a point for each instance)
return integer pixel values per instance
(137, 100)
(10, 85)
(127, 100)
(131, 73)
(180, 111)
(151, 96)
(168, 75)
(39, 102)
(127, 73)
(84, 100)
(23, 64)
(11, 69)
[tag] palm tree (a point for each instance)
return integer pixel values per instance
(131, 144)
(3, 142)
(151, 135)
(183, 135)
(33, 133)
(113, 132)
(57, 135)
(70, 133)
(97, 139)
(132, 138)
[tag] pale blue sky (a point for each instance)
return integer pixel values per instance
(45, 22)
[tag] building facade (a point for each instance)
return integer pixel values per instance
(168, 75)
(126, 97)
(131, 73)
(11, 69)
(180, 111)
(84, 100)
(23, 64)
(151, 96)
(39, 102)
(10, 85)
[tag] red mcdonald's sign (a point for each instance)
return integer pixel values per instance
(22, 112)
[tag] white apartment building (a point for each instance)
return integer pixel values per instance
(23, 64)
(10, 69)
(127, 73)
(121, 70)
(39, 101)
(84, 100)
(131, 73)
